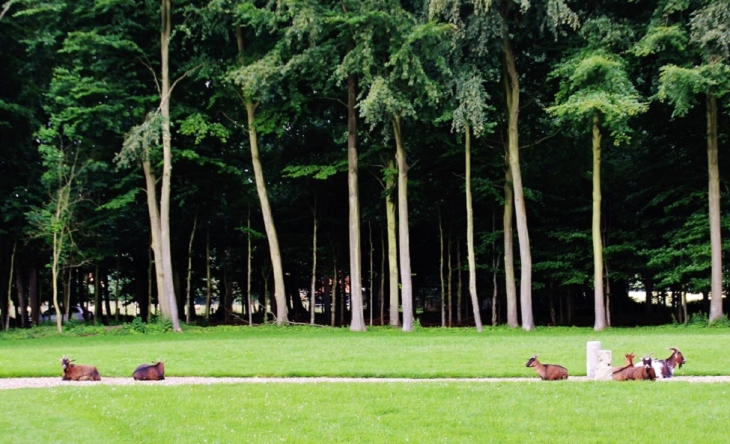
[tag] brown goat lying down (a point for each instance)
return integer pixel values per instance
(150, 372)
(73, 372)
(626, 372)
(548, 372)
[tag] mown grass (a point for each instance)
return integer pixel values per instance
(381, 352)
(366, 412)
(370, 412)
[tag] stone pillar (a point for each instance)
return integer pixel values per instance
(603, 366)
(592, 348)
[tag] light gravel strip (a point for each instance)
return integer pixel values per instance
(16, 383)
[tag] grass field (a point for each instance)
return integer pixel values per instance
(468, 411)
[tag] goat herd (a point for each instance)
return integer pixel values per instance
(144, 372)
(649, 368)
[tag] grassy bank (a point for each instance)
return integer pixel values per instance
(381, 352)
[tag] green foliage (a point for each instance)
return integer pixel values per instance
(596, 81)
(141, 141)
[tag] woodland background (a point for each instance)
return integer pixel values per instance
(322, 95)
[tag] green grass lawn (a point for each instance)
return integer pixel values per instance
(382, 412)
(383, 352)
(466, 412)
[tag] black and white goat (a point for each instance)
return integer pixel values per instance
(664, 368)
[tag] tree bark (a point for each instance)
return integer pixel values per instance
(599, 307)
(313, 285)
(168, 287)
(357, 320)
(403, 231)
(274, 252)
(509, 255)
(716, 311)
(189, 300)
(513, 107)
(390, 214)
(471, 259)
(248, 270)
(441, 272)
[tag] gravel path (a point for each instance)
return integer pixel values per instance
(16, 383)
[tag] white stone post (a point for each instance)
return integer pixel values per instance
(603, 366)
(592, 348)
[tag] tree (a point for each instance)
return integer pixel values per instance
(596, 91)
(705, 71)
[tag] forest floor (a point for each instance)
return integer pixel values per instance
(16, 383)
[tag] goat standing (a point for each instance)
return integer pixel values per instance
(73, 372)
(547, 372)
(150, 372)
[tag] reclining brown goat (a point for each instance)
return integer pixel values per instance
(645, 371)
(73, 372)
(150, 372)
(627, 371)
(547, 372)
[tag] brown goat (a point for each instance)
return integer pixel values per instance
(645, 372)
(73, 372)
(150, 372)
(547, 372)
(627, 371)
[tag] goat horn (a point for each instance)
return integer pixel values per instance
(674, 349)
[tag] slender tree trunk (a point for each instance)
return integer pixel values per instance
(403, 232)
(357, 320)
(382, 279)
(513, 107)
(313, 285)
(189, 300)
(208, 290)
(22, 305)
(459, 284)
(34, 299)
(716, 311)
(509, 257)
(97, 299)
(495, 266)
(449, 281)
(390, 214)
(279, 289)
(441, 272)
(471, 259)
(370, 285)
(600, 309)
(6, 312)
(164, 224)
(333, 313)
(248, 268)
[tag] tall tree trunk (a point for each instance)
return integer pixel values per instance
(20, 290)
(279, 289)
(35, 305)
(441, 272)
(513, 107)
(459, 284)
(165, 250)
(716, 311)
(357, 320)
(370, 285)
(189, 300)
(471, 259)
(390, 214)
(495, 266)
(97, 299)
(509, 256)
(6, 305)
(313, 285)
(382, 278)
(333, 318)
(449, 281)
(600, 309)
(403, 231)
(248, 269)
(208, 290)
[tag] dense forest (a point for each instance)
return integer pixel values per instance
(364, 162)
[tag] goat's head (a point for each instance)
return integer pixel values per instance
(630, 358)
(531, 361)
(677, 356)
(646, 361)
(66, 362)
